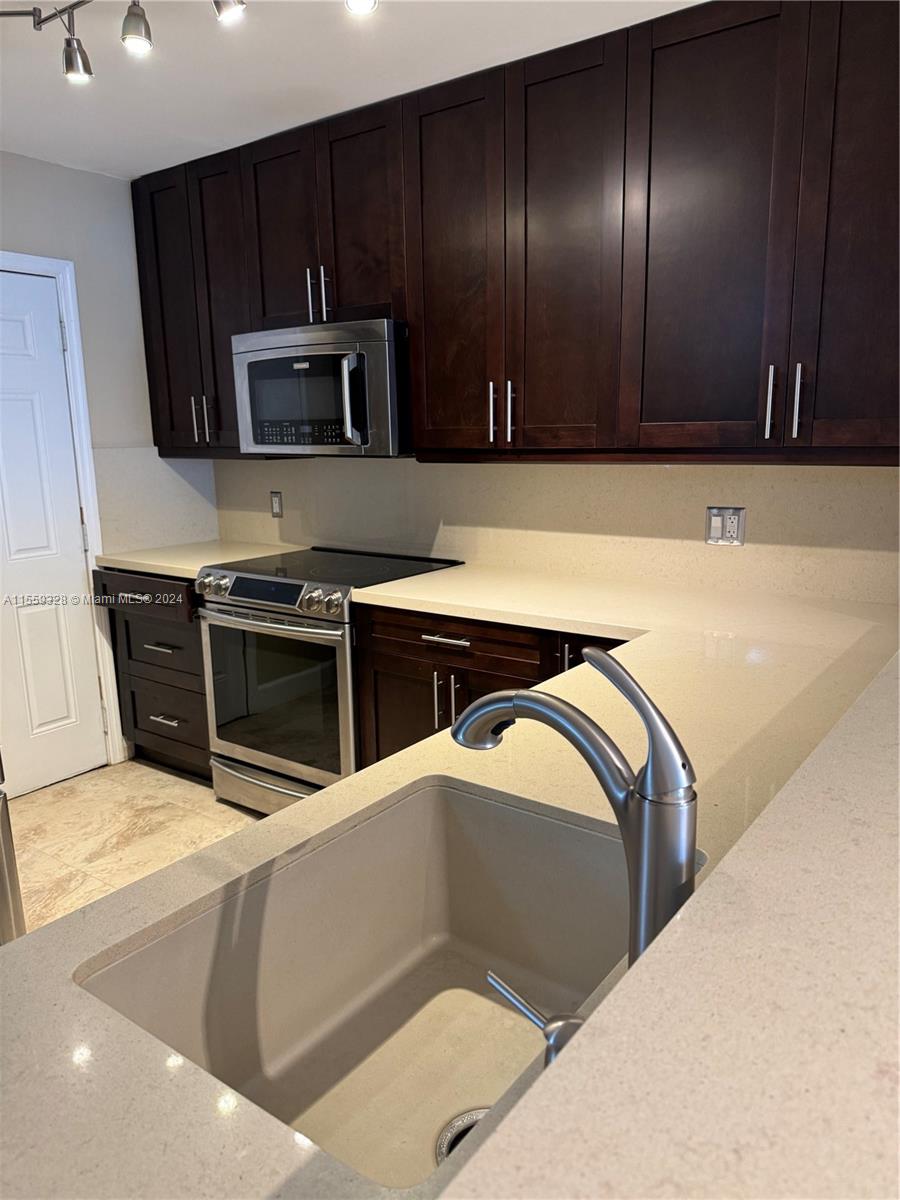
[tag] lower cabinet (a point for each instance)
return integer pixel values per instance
(159, 667)
(415, 672)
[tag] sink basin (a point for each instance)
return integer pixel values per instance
(344, 990)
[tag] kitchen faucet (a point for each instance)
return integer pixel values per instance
(656, 809)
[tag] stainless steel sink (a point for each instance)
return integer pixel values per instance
(345, 990)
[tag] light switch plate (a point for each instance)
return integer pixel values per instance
(725, 526)
(276, 503)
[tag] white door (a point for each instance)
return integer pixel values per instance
(51, 723)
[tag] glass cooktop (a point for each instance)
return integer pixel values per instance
(351, 568)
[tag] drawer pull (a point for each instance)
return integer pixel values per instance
(446, 641)
(172, 722)
(160, 647)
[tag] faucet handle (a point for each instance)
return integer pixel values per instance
(558, 1030)
(667, 769)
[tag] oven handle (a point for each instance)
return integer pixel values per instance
(309, 633)
(349, 363)
(256, 781)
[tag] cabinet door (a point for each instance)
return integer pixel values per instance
(281, 229)
(565, 145)
(844, 351)
(715, 96)
(214, 188)
(401, 701)
(453, 179)
(168, 304)
(359, 168)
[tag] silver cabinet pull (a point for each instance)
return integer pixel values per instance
(446, 641)
(437, 704)
(452, 699)
(171, 721)
(798, 380)
(322, 293)
(309, 302)
(770, 390)
(194, 419)
(509, 404)
(205, 420)
(492, 419)
(160, 647)
(566, 656)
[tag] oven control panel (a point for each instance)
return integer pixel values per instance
(312, 599)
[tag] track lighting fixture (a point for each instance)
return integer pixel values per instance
(136, 31)
(361, 8)
(229, 11)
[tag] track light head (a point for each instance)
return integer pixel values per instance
(229, 11)
(136, 31)
(76, 64)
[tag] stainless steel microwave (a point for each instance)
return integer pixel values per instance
(323, 389)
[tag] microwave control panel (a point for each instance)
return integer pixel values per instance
(299, 433)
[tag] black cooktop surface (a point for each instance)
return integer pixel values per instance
(353, 568)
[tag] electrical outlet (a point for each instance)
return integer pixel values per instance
(725, 526)
(276, 504)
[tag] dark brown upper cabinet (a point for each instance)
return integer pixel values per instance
(281, 230)
(454, 193)
(214, 192)
(169, 306)
(565, 145)
(715, 111)
(359, 172)
(843, 380)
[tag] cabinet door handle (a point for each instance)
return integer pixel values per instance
(446, 641)
(205, 420)
(163, 720)
(194, 419)
(309, 302)
(322, 293)
(452, 699)
(509, 406)
(770, 391)
(492, 408)
(437, 703)
(798, 380)
(160, 647)
(566, 656)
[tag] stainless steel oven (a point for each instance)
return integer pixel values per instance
(323, 389)
(279, 697)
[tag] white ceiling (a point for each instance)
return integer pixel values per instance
(207, 87)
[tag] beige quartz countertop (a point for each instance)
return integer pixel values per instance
(185, 560)
(747, 1054)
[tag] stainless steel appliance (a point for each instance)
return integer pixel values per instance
(323, 389)
(277, 656)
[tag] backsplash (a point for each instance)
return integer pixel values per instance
(811, 531)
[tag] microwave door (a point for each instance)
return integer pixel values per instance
(299, 400)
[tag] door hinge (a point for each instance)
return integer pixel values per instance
(104, 716)
(62, 332)
(85, 541)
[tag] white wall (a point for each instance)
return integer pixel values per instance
(58, 212)
(812, 531)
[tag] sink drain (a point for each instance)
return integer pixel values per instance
(454, 1132)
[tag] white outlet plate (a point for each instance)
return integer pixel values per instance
(725, 526)
(276, 504)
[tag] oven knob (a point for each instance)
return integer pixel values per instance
(312, 601)
(333, 603)
(220, 586)
(204, 584)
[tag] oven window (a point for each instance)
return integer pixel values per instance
(278, 696)
(297, 400)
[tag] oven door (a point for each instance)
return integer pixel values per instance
(312, 400)
(279, 693)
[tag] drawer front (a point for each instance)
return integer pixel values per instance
(163, 646)
(508, 649)
(146, 595)
(167, 712)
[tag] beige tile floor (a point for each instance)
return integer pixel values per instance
(81, 839)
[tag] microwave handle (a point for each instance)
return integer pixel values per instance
(349, 363)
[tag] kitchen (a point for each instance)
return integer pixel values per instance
(542, 346)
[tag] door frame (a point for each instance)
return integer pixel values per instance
(62, 271)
